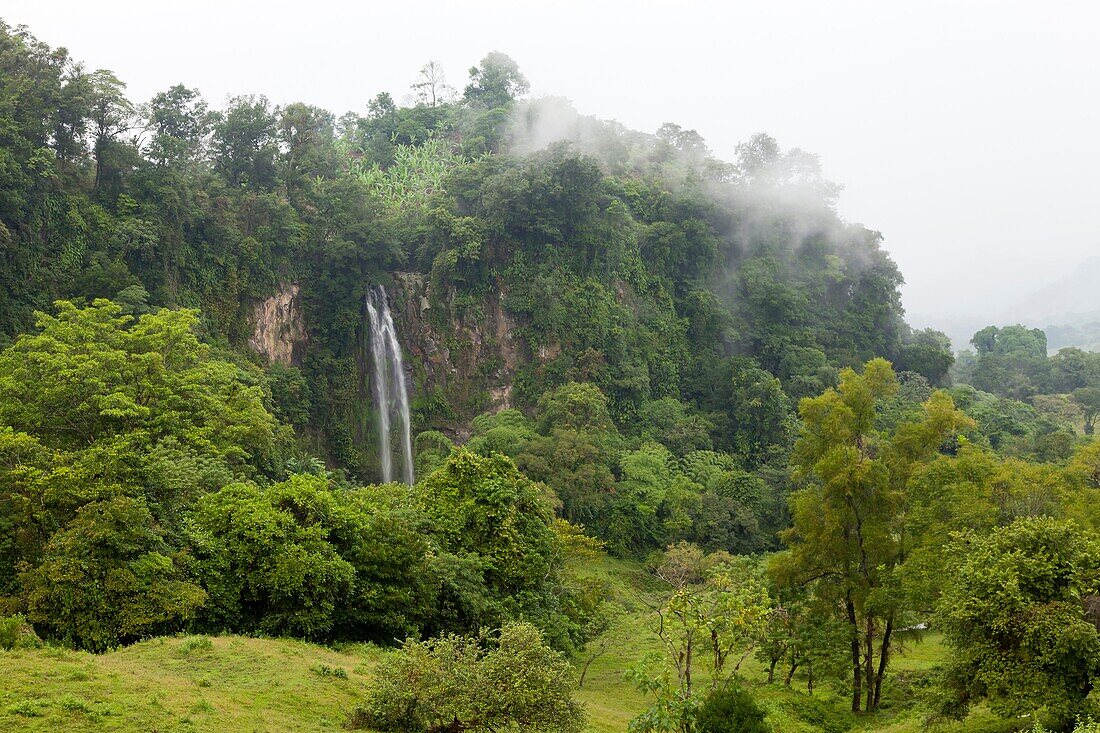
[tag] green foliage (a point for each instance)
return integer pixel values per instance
(803, 634)
(263, 557)
(135, 419)
(94, 377)
(486, 514)
(1013, 617)
(510, 680)
(846, 540)
(668, 420)
(1012, 427)
(195, 645)
(730, 709)
(415, 175)
(495, 82)
(290, 394)
(16, 633)
(712, 606)
(1088, 399)
(323, 670)
(105, 579)
(574, 407)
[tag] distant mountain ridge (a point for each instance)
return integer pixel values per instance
(1067, 309)
(1072, 300)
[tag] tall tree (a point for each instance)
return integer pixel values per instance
(179, 120)
(495, 82)
(849, 534)
(112, 115)
(431, 87)
(1088, 399)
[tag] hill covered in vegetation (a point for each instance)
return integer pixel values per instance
(618, 346)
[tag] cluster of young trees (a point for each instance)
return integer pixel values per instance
(1013, 361)
(1028, 403)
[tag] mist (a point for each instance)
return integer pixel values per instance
(960, 131)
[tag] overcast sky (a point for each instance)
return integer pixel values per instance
(968, 133)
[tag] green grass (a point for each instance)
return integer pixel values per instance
(184, 684)
(232, 683)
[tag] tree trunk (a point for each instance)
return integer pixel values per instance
(687, 669)
(869, 660)
(790, 674)
(771, 671)
(857, 674)
(883, 658)
(584, 669)
(810, 677)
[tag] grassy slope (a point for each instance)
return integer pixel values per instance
(272, 685)
(163, 685)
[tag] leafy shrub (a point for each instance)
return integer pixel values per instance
(513, 681)
(16, 633)
(26, 708)
(323, 670)
(73, 704)
(195, 644)
(730, 709)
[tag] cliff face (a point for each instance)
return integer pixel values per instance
(461, 356)
(278, 327)
(468, 353)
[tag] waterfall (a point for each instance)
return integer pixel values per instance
(391, 396)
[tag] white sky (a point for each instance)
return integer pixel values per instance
(967, 132)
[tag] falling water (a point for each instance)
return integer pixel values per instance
(390, 393)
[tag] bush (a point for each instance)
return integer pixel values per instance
(196, 644)
(511, 682)
(730, 709)
(105, 579)
(323, 670)
(16, 633)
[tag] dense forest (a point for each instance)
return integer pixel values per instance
(619, 349)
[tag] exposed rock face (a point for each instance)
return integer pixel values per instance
(471, 356)
(278, 327)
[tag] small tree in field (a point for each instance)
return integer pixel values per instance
(715, 608)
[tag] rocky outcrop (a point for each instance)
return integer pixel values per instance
(278, 327)
(470, 354)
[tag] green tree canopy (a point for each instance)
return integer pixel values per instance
(1014, 619)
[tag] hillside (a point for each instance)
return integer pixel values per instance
(209, 684)
(184, 684)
